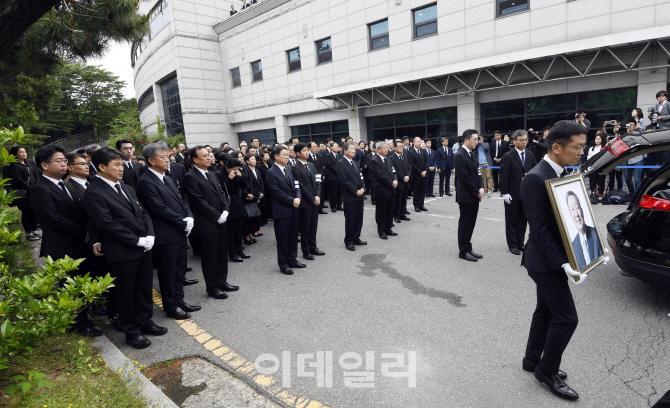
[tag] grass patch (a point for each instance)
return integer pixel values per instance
(81, 378)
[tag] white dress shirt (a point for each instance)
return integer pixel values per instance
(558, 169)
(53, 180)
(81, 182)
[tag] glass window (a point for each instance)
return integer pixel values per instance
(379, 35)
(443, 122)
(293, 59)
(321, 128)
(324, 52)
(320, 132)
(616, 98)
(257, 71)
(159, 18)
(503, 109)
(146, 99)
(266, 137)
(412, 118)
(174, 123)
(341, 126)
(555, 103)
(425, 21)
(235, 74)
(441, 115)
(505, 7)
(381, 122)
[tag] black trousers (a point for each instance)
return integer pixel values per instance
(28, 218)
(515, 224)
(496, 174)
(418, 191)
(466, 225)
(334, 193)
(430, 181)
(214, 259)
(133, 285)
(353, 221)
(309, 221)
(286, 235)
(384, 214)
(619, 179)
(171, 271)
(400, 203)
(235, 229)
(597, 183)
(445, 179)
(554, 320)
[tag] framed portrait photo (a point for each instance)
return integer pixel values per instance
(579, 229)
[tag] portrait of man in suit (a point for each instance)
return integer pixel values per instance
(585, 243)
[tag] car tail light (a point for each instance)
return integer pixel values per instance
(617, 147)
(654, 203)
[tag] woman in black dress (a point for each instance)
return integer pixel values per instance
(235, 186)
(24, 174)
(255, 193)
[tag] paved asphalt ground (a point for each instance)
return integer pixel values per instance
(467, 322)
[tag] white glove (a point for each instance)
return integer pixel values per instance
(149, 243)
(142, 242)
(573, 274)
(189, 225)
(507, 198)
(607, 258)
(223, 217)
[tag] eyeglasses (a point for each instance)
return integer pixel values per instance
(579, 149)
(59, 161)
(79, 164)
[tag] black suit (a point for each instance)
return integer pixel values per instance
(332, 182)
(122, 222)
(419, 163)
(131, 175)
(317, 160)
(92, 171)
(284, 190)
(236, 190)
(468, 183)
(367, 175)
(402, 169)
(351, 181)
(555, 317)
(207, 202)
(497, 153)
(512, 171)
(167, 211)
(179, 158)
(384, 175)
(310, 187)
(176, 173)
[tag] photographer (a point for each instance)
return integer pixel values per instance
(661, 111)
(540, 146)
(640, 124)
(616, 172)
(633, 176)
(580, 118)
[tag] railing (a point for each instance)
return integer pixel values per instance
(74, 142)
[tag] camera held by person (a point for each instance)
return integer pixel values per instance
(659, 114)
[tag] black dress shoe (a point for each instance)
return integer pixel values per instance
(529, 366)
(467, 257)
(431, 195)
(177, 314)
(522, 248)
(216, 293)
(297, 264)
(322, 211)
(407, 212)
(153, 329)
(441, 194)
(449, 194)
(227, 287)
(417, 209)
(138, 342)
(287, 271)
(423, 208)
(396, 220)
(308, 256)
(189, 308)
(392, 233)
(244, 256)
(405, 218)
(392, 225)
(236, 259)
(515, 251)
(333, 210)
(316, 252)
(383, 236)
(358, 241)
(90, 331)
(188, 282)
(476, 255)
(189, 269)
(556, 385)
(351, 247)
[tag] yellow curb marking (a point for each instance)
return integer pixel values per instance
(239, 364)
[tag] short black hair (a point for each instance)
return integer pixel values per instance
(248, 156)
(230, 163)
(71, 156)
(581, 109)
(104, 156)
(276, 151)
(193, 152)
(45, 153)
(80, 151)
(222, 157)
(496, 132)
(120, 142)
(397, 142)
(468, 133)
(659, 93)
(563, 131)
(346, 145)
(228, 149)
(299, 146)
(14, 150)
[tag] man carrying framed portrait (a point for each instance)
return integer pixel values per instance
(547, 260)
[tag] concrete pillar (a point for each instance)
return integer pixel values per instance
(358, 126)
(648, 83)
(283, 129)
(469, 112)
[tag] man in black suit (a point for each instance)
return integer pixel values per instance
(62, 217)
(445, 164)
(367, 175)
(78, 167)
(353, 189)
(332, 182)
(127, 237)
(555, 317)
(469, 192)
(498, 148)
(91, 168)
(209, 205)
(173, 222)
(513, 167)
(317, 159)
(419, 163)
(431, 159)
(131, 173)
(179, 157)
(286, 198)
(386, 182)
(310, 192)
(402, 172)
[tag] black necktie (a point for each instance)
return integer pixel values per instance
(307, 167)
(286, 175)
(117, 186)
(86, 184)
(523, 159)
(565, 173)
(62, 187)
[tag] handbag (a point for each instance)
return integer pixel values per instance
(593, 198)
(252, 210)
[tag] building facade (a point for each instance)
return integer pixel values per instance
(377, 69)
